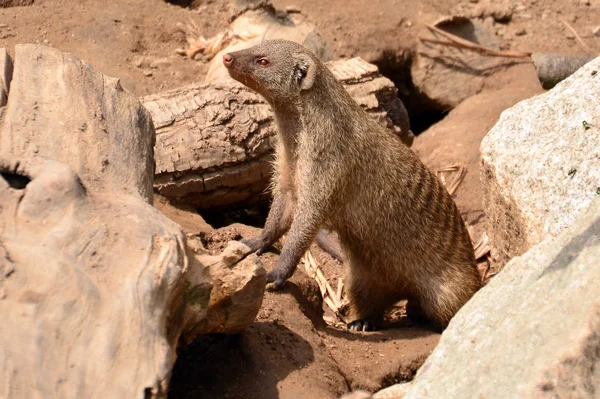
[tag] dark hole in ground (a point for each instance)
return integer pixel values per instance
(18, 182)
(190, 3)
(396, 67)
(254, 216)
(240, 366)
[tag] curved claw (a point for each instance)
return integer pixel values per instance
(255, 244)
(273, 277)
(361, 325)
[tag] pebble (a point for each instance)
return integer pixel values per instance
(160, 62)
(138, 61)
(521, 32)
(596, 31)
(147, 73)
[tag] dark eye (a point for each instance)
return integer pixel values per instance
(263, 61)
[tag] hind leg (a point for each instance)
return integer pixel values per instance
(368, 302)
(440, 299)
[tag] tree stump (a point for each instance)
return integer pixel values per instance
(97, 287)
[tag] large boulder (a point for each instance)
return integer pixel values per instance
(532, 332)
(541, 164)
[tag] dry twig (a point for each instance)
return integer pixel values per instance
(569, 27)
(482, 248)
(453, 186)
(459, 42)
(332, 299)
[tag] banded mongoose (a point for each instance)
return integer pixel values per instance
(401, 233)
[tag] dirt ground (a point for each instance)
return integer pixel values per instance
(135, 40)
(289, 352)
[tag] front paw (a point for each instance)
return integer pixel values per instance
(256, 245)
(276, 279)
(361, 325)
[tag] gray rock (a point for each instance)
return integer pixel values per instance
(541, 164)
(533, 331)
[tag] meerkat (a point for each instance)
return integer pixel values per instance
(401, 233)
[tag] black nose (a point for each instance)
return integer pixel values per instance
(228, 60)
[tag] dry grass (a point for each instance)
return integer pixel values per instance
(333, 299)
(459, 172)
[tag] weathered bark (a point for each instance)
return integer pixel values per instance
(62, 109)
(6, 68)
(96, 285)
(213, 142)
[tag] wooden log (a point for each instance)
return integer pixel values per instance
(97, 287)
(214, 140)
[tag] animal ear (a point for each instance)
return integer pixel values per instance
(305, 71)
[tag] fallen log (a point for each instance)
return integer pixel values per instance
(213, 140)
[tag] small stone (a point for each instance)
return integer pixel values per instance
(138, 61)
(521, 32)
(596, 31)
(160, 62)
(488, 22)
(408, 24)
(147, 73)
(2, 26)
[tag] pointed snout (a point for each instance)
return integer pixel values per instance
(228, 60)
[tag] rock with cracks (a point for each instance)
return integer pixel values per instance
(97, 287)
(541, 164)
(214, 140)
(532, 332)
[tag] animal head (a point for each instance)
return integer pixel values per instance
(277, 69)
